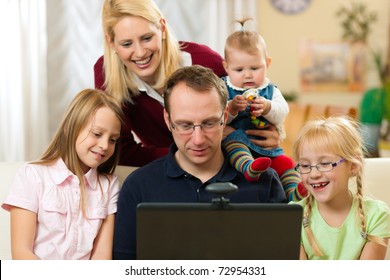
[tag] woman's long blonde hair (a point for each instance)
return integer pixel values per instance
(63, 145)
(341, 136)
(119, 80)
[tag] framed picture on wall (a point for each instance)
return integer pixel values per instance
(332, 66)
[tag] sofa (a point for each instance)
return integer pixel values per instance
(377, 178)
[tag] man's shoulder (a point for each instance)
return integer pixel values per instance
(156, 166)
(271, 172)
(146, 177)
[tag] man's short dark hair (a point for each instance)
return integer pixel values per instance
(198, 78)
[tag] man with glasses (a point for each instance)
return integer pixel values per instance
(196, 113)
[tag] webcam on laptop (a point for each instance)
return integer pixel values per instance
(221, 189)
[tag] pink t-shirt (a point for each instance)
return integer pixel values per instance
(53, 193)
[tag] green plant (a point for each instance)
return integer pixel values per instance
(290, 96)
(371, 106)
(356, 22)
(381, 67)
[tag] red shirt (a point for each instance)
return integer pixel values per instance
(145, 116)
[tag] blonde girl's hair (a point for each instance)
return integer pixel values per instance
(119, 80)
(63, 145)
(341, 136)
(249, 41)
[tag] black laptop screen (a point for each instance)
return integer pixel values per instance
(198, 231)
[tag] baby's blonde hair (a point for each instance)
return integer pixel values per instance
(249, 41)
(341, 136)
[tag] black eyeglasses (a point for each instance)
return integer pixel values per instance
(321, 167)
(187, 128)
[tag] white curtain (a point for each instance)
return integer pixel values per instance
(48, 50)
(46, 57)
(207, 21)
(23, 91)
(75, 42)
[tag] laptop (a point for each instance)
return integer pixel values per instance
(200, 231)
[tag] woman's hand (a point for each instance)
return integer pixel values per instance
(269, 133)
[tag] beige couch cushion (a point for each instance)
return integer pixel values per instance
(377, 178)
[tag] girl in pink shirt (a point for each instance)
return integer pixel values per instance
(63, 205)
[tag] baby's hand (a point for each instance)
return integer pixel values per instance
(239, 103)
(260, 106)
